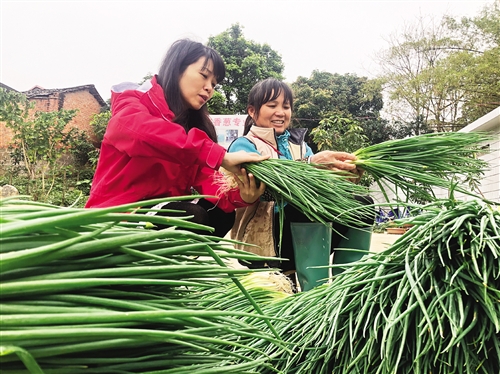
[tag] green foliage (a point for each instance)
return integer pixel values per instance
(99, 123)
(324, 95)
(217, 104)
(246, 63)
(377, 130)
(146, 78)
(446, 74)
(39, 141)
(416, 88)
(40, 146)
(380, 228)
(68, 189)
(478, 66)
(412, 128)
(14, 107)
(337, 133)
(84, 153)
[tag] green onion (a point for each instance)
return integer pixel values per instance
(416, 164)
(96, 291)
(169, 304)
(428, 304)
(321, 194)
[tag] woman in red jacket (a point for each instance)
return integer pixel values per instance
(160, 142)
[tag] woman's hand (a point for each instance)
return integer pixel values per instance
(338, 161)
(334, 160)
(232, 160)
(247, 184)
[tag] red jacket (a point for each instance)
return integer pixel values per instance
(145, 155)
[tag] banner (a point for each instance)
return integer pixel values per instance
(228, 127)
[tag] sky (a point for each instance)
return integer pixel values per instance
(68, 43)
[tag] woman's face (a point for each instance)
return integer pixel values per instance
(197, 84)
(273, 114)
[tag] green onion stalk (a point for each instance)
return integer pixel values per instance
(415, 165)
(427, 304)
(96, 291)
(323, 195)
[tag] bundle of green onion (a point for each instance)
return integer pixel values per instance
(94, 291)
(416, 164)
(428, 304)
(321, 194)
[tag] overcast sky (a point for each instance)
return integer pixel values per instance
(67, 43)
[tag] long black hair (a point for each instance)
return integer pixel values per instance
(179, 56)
(264, 91)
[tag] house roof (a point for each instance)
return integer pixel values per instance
(38, 92)
(488, 122)
(7, 88)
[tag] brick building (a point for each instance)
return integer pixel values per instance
(85, 99)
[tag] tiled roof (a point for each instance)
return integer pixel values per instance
(41, 92)
(7, 88)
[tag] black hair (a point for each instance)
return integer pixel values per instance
(179, 56)
(264, 91)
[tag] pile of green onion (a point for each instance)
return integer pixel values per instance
(86, 291)
(95, 291)
(428, 304)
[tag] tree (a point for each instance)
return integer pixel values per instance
(39, 144)
(341, 133)
(246, 63)
(480, 72)
(418, 126)
(217, 104)
(338, 133)
(445, 74)
(324, 95)
(377, 129)
(415, 87)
